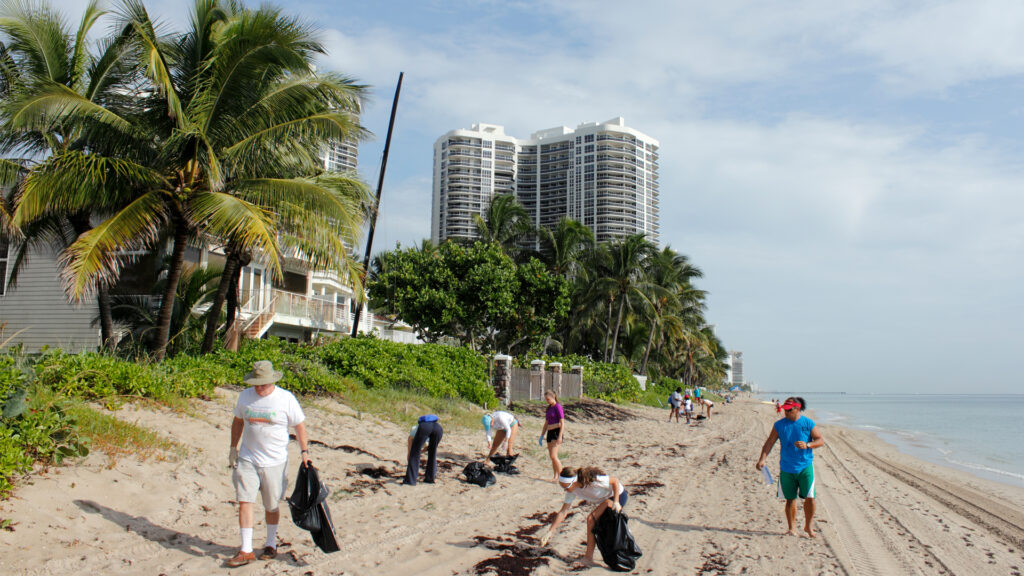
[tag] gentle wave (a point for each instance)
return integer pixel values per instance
(984, 468)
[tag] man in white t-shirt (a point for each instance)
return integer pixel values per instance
(263, 415)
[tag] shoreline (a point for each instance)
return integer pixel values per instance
(695, 501)
(926, 446)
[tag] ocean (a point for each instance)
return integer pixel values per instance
(980, 434)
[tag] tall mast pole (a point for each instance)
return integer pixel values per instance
(376, 209)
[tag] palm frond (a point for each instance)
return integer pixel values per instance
(79, 182)
(96, 258)
(40, 35)
(50, 103)
(228, 217)
(154, 55)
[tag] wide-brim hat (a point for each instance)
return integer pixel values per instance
(262, 373)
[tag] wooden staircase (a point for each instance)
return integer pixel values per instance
(258, 325)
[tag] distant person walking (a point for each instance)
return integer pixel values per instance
(798, 435)
(594, 487)
(696, 398)
(505, 427)
(554, 429)
(263, 415)
(427, 428)
(675, 400)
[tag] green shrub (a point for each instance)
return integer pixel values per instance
(440, 371)
(31, 430)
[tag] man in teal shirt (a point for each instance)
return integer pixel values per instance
(799, 436)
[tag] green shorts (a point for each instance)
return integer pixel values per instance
(800, 483)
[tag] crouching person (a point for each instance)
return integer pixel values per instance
(263, 415)
(427, 428)
(594, 487)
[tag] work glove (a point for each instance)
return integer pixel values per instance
(233, 457)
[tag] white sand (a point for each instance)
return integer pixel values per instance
(879, 512)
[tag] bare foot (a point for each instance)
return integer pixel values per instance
(810, 532)
(792, 532)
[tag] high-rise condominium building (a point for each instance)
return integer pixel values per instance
(603, 174)
(735, 374)
(341, 156)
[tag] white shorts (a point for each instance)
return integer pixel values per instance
(270, 482)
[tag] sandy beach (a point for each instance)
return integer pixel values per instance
(697, 504)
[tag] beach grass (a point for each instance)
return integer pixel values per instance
(405, 406)
(119, 439)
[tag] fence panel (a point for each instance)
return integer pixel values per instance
(520, 385)
(571, 386)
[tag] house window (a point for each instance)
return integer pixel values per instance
(3, 266)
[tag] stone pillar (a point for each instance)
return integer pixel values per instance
(578, 370)
(536, 380)
(555, 382)
(501, 378)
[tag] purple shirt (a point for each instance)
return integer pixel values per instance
(555, 414)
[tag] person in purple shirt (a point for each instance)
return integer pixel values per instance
(554, 426)
(798, 436)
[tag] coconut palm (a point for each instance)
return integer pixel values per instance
(505, 223)
(669, 292)
(226, 126)
(625, 277)
(45, 62)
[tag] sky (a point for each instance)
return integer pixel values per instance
(847, 175)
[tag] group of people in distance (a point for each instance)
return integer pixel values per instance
(264, 413)
(680, 403)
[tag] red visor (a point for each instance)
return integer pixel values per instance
(790, 405)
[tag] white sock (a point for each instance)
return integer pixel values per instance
(246, 539)
(272, 536)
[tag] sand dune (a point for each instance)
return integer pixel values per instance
(697, 505)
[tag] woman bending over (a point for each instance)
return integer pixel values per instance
(594, 487)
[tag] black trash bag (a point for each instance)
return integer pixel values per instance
(307, 494)
(477, 473)
(616, 543)
(504, 464)
(309, 508)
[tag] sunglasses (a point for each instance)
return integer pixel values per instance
(788, 407)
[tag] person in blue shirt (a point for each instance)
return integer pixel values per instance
(798, 436)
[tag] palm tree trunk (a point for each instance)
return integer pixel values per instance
(106, 319)
(647, 352)
(608, 329)
(231, 263)
(618, 324)
(232, 299)
(80, 224)
(163, 323)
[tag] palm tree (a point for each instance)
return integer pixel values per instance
(669, 291)
(225, 128)
(44, 63)
(625, 276)
(505, 223)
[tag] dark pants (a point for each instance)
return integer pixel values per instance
(427, 431)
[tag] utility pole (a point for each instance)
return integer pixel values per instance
(376, 209)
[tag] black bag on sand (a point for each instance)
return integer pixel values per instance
(614, 540)
(477, 473)
(309, 508)
(504, 465)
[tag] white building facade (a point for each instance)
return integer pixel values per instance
(602, 174)
(734, 375)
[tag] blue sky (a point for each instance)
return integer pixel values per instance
(848, 177)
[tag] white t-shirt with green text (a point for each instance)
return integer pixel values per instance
(267, 420)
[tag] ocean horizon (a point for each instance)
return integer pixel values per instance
(976, 433)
